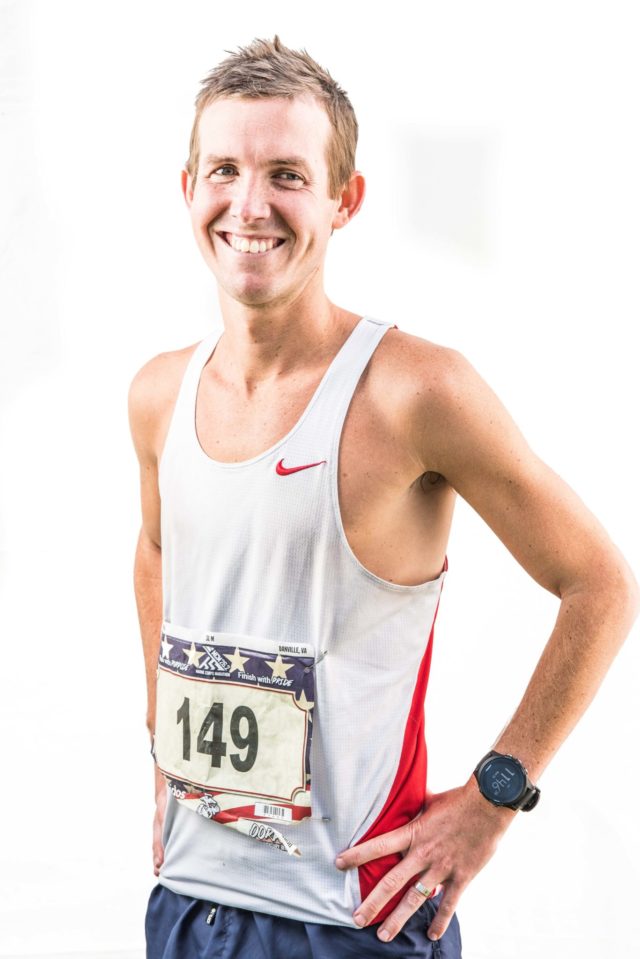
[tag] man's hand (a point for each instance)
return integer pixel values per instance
(158, 821)
(448, 843)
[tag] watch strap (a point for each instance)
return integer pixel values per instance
(530, 798)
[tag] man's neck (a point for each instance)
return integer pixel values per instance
(259, 347)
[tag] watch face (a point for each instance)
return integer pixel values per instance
(502, 780)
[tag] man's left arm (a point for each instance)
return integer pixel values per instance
(464, 432)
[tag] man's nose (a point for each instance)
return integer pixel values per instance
(249, 200)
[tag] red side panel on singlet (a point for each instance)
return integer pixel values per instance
(408, 793)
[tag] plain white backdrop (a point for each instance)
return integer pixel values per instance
(501, 147)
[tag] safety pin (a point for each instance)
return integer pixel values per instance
(323, 653)
(286, 822)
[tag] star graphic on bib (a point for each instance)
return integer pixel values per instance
(166, 648)
(193, 658)
(304, 703)
(237, 661)
(278, 667)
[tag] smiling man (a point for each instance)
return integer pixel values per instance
(299, 470)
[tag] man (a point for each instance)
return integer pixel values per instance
(299, 470)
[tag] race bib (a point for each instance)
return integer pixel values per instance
(233, 729)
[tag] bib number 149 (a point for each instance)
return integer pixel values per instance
(216, 747)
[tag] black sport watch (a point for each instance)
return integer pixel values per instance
(503, 780)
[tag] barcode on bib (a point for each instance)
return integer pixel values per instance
(274, 812)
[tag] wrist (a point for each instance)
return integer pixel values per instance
(503, 781)
(498, 816)
(160, 783)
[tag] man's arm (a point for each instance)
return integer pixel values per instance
(147, 577)
(468, 436)
(145, 411)
(461, 430)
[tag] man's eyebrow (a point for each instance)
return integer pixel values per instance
(217, 160)
(292, 161)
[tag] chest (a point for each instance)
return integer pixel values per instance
(372, 463)
(395, 524)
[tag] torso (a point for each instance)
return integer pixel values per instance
(396, 515)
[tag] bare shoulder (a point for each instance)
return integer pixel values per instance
(151, 398)
(412, 377)
(450, 417)
(408, 364)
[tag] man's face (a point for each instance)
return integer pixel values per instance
(260, 210)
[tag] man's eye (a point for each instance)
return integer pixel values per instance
(289, 173)
(224, 170)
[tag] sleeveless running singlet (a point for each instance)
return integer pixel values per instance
(291, 679)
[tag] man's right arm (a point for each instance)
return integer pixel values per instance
(147, 412)
(147, 578)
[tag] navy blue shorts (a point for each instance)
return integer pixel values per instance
(176, 928)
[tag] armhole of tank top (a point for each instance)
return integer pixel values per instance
(346, 400)
(192, 370)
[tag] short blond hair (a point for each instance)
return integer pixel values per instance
(266, 68)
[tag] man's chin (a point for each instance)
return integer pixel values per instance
(251, 296)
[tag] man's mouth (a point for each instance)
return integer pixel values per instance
(252, 244)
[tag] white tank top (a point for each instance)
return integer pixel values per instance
(255, 558)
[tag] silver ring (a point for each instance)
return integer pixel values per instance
(423, 889)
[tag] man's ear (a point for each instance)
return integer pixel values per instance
(351, 200)
(187, 187)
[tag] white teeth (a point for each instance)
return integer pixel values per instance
(243, 245)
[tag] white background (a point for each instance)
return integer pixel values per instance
(501, 146)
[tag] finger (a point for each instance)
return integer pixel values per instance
(440, 922)
(410, 903)
(394, 841)
(391, 884)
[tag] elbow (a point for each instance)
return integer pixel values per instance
(633, 598)
(621, 587)
(149, 540)
(627, 586)
(610, 581)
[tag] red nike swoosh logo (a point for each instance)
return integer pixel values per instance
(283, 471)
